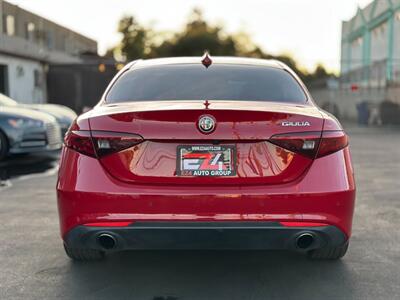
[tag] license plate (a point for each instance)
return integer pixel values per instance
(206, 160)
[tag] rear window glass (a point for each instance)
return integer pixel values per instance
(195, 82)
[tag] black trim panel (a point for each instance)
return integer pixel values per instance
(204, 235)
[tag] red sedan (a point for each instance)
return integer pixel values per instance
(206, 153)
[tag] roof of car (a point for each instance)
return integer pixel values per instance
(215, 60)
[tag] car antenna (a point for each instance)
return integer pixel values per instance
(206, 59)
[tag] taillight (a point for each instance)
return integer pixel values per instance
(80, 141)
(99, 143)
(304, 143)
(331, 142)
(312, 144)
(111, 142)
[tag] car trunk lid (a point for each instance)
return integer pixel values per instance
(244, 128)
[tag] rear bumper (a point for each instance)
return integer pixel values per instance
(88, 194)
(204, 235)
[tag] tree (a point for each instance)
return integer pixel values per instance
(135, 39)
(196, 36)
(321, 72)
(319, 75)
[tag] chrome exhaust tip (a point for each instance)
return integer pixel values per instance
(106, 241)
(305, 240)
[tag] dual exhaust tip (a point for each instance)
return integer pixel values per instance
(106, 241)
(305, 240)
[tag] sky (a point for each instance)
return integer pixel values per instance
(309, 30)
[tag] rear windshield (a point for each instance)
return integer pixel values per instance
(195, 82)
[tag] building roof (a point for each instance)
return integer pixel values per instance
(17, 8)
(370, 15)
(47, 42)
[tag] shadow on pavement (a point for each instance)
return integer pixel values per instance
(162, 275)
(26, 164)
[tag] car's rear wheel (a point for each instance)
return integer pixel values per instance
(329, 253)
(84, 254)
(3, 146)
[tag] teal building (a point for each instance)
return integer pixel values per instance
(370, 46)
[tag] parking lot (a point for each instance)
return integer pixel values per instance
(34, 266)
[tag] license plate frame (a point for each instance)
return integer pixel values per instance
(206, 161)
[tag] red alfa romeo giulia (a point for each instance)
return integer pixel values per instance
(206, 153)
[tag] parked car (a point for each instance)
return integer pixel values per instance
(214, 153)
(24, 131)
(64, 115)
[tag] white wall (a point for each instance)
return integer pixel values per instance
(347, 100)
(396, 45)
(379, 42)
(357, 53)
(396, 52)
(344, 57)
(21, 79)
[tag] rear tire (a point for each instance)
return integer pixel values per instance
(84, 254)
(3, 146)
(329, 253)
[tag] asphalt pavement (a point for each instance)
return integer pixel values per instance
(34, 266)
